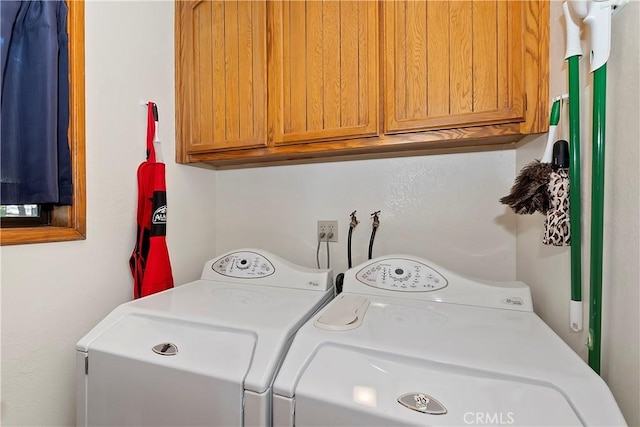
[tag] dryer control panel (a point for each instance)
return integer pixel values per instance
(399, 274)
(261, 268)
(243, 264)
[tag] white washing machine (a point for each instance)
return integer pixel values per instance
(201, 354)
(410, 343)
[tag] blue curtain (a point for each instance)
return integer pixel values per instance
(34, 150)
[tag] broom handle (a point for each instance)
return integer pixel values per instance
(597, 214)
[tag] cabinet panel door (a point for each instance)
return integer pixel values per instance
(323, 69)
(452, 63)
(223, 66)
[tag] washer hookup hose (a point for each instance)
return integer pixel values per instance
(352, 225)
(376, 224)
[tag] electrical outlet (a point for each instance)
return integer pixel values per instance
(328, 227)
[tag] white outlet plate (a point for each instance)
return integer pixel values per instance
(328, 227)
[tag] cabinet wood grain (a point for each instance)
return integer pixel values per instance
(221, 74)
(323, 70)
(452, 63)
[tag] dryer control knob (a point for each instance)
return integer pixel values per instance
(243, 263)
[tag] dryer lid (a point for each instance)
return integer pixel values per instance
(379, 389)
(269, 316)
(198, 348)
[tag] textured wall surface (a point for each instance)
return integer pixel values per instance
(442, 207)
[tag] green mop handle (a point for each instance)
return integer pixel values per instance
(572, 55)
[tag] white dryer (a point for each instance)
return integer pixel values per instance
(201, 354)
(410, 343)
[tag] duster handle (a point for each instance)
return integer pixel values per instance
(553, 128)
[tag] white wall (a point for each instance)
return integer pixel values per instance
(546, 269)
(442, 207)
(621, 277)
(52, 294)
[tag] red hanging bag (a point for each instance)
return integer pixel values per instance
(150, 264)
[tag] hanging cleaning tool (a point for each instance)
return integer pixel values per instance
(573, 54)
(597, 15)
(529, 193)
(556, 223)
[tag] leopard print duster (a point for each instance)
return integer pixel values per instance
(556, 224)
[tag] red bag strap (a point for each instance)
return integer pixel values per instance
(151, 132)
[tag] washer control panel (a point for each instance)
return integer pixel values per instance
(243, 265)
(403, 275)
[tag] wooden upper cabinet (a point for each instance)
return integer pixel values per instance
(453, 63)
(278, 81)
(323, 70)
(221, 74)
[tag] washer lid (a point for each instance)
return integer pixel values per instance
(377, 388)
(505, 343)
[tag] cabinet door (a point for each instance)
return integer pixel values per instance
(453, 63)
(323, 70)
(221, 74)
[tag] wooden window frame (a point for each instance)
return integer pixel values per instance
(67, 222)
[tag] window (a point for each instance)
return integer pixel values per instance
(25, 215)
(63, 222)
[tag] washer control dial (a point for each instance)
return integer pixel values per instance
(244, 265)
(403, 275)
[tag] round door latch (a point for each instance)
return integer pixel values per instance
(166, 349)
